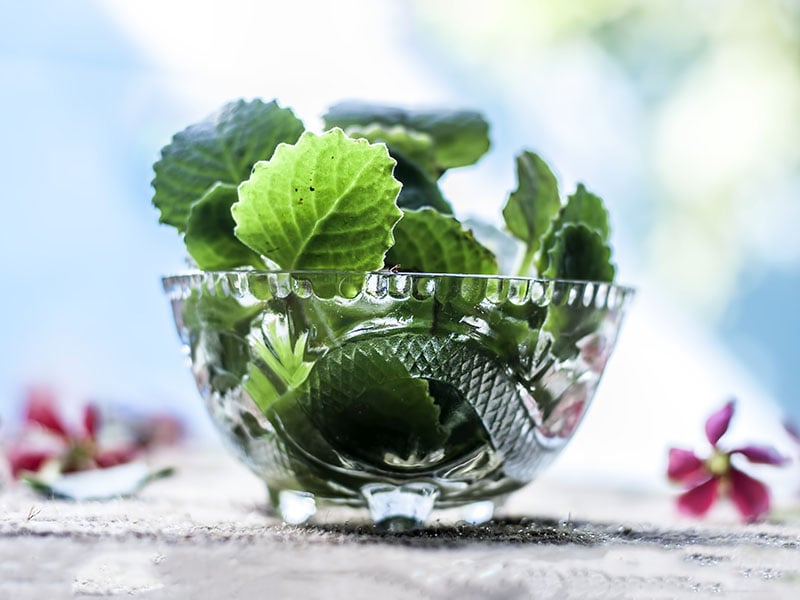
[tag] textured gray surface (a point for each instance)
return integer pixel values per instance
(205, 534)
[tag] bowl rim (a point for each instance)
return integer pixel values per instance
(182, 276)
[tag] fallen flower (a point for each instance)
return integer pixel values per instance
(706, 479)
(48, 442)
(157, 430)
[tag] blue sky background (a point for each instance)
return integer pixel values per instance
(83, 114)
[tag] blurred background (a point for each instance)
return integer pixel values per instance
(684, 116)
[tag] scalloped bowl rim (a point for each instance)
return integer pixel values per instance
(625, 289)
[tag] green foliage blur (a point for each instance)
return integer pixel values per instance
(714, 86)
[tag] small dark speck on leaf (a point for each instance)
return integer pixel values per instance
(296, 190)
(300, 201)
(311, 188)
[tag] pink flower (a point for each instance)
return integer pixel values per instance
(47, 439)
(706, 479)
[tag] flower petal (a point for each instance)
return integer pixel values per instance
(27, 460)
(684, 466)
(117, 456)
(717, 423)
(698, 500)
(91, 420)
(750, 496)
(765, 455)
(41, 409)
(158, 430)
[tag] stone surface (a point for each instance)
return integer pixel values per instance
(205, 533)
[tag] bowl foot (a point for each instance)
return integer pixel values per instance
(293, 507)
(477, 512)
(391, 507)
(399, 507)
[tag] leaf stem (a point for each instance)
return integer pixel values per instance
(527, 261)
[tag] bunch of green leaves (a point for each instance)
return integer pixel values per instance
(569, 242)
(199, 170)
(248, 188)
(562, 242)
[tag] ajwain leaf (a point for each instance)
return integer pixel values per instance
(460, 137)
(282, 357)
(364, 398)
(419, 190)
(582, 208)
(222, 323)
(209, 232)
(260, 389)
(587, 209)
(205, 311)
(221, 148)
(416, 166)
(327, 202)
(579, 253)
(532, 206)
(414, 146)
(428, 241)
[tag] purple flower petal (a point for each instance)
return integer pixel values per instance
(717, 423)
(27, 460)
(117, 456)
(41, 410)
(684, 466)
(764, 455)
(698, 500)
(91, 419)
(750, 496)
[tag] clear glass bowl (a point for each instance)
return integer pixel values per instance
(398, 392)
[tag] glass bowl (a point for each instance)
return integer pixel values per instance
(400, 393)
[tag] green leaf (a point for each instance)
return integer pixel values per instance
(365, 400)
(260, 389)
(414, 146)
(460, 137)
(328, 202)
(282, 358)
(222, 147)
(579, 253)
(203, 310)
(587, 209)
(209, 232)
(419, 190)
(532, 206)
(416, 165)
(430, 242)
(219, 324)
(583, 208)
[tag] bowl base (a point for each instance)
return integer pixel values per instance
(399, 508)
(387, 507)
